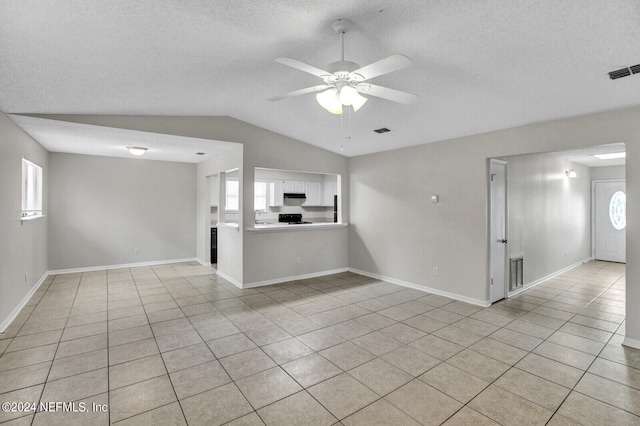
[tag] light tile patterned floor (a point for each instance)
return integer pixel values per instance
(176, 344)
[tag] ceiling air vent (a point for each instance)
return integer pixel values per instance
(635, 69)
(382, 130)
(623, 72)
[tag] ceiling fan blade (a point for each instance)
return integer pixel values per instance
(386, 93)
(384, 66)
(300, 92)
(294, 63)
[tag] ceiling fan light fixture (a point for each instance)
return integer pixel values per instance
(357, 103)
(329, 100)
(348, 95)
(344, 80)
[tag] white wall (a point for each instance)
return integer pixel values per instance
(606, 173)
(387, 204)
(261, 148)
(102, 208)
(395, 232)
(23, 248)
(549, 213)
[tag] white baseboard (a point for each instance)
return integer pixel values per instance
(548, 277)
(471, 300)
(122, 265)
(9, 319)
(202, 262)
(632, 343)
(293, 278)
(230, 279)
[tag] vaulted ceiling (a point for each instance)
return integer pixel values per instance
(479, 66)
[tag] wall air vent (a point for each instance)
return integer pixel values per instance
(382, 130)
(200, 153)
(516, 273)
(635, 69)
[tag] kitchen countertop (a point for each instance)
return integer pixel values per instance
(285, 227)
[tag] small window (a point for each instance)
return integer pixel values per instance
(31, 189)
(232, 198)
(618, 210)
(260, 196)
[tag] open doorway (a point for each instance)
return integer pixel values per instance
(497, 230)
(549, 216)
(213, 183)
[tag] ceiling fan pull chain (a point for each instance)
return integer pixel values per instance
(349, 124)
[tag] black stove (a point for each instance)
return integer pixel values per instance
(291, 218)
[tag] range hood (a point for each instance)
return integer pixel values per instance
(294, 195)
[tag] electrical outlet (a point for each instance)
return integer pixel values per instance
(137, 250)
(436, 270)
(298, 260)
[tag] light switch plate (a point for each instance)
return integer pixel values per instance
(434, 198)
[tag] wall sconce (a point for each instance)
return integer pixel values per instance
(570, 173)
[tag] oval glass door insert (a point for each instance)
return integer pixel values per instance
(618, 210)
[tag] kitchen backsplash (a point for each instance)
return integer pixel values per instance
(312, 214)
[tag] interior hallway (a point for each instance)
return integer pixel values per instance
(176, 344)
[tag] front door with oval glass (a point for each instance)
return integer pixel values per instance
(610, 209)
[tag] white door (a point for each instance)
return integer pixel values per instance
(498, 230)
(610, 220)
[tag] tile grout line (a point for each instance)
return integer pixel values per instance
(328, 293)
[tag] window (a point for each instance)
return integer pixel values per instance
(31, 189)
(618, 210)
(232, 198)
(260, 196)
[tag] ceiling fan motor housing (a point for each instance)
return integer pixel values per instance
(342, 71)
(340, 67)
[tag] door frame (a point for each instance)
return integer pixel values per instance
(506, 226)
(593, 211)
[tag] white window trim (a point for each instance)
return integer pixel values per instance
(32, 204)
(235, 197)
(266, 195)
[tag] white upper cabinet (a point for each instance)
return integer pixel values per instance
(298, 186)
(330, 189)
(314, 194)
(276, 191)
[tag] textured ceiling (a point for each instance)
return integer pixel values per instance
(75, 138)
(478, 66)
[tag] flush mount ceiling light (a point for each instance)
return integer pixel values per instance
(611, 156)
(137, 150)
(345, 80)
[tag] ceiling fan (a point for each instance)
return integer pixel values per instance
(344, 82)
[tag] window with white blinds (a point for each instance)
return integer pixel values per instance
(260, 196)
(232, 195)
(31, 189)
